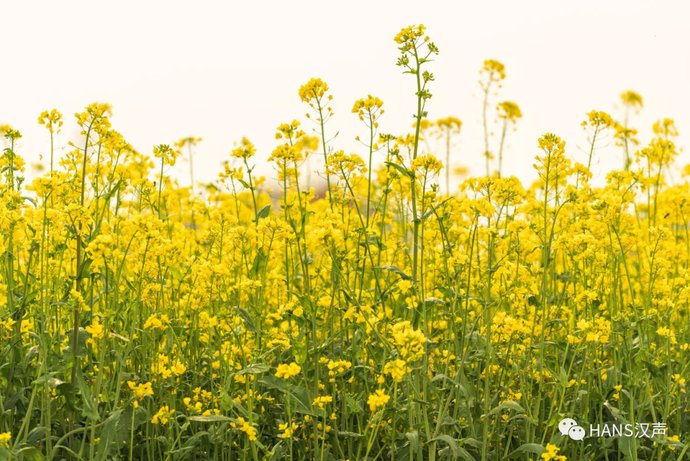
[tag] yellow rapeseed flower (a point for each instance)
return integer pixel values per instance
(245, 150)
(322, 400)
(287, 371)
(245, 427)
(397, 369)
(509, 111)
(156, 322)
(495, 69)
(163, 415)
(140, 390)
(378, 399)
(369, 106)
(410, 34)
(315, 88)
(551, 453)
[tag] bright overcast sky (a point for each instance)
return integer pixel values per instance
(223, 70)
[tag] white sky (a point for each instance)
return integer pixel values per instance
(222, 70)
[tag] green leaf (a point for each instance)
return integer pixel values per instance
(264, 212)
(472, 442)
(434, 300)
(299, 396)
(433, 209)
(254, 369)
(507, 405)
(29, 454)
(195, 439)
(625, 445)
(413, 438)
(37, 434)
(353, 406)
(49, 379)
(395, 270)
(464, 454)
(273, 383)
(401, 169)
(90, 409)
(248, 322)
(533, 448)
(210, 419)
(259, 263)
(442, 377)
(354, 435)
(109, 435)
(450, 441)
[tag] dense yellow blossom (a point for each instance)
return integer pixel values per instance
(551, 454)
(346, 305)
(377, 400)
(315, 88)
(287, 371)
(397, 369)
(322, 400)
(246, 427)
(162, 416)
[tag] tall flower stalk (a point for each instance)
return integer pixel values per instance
(416, 50)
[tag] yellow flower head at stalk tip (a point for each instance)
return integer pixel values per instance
(410, 34)
(95, 118)
(51, 119)
(322, 401)
(166, 153)
(163, 416)
(188, 141)
(598, 119)
(5, 438)
(96, 329)
(313, 89)
(665, 127)
(397, 369)
(424, 124)
(509, 111)
(307, 143)
(370, 106)
(289, 130)
(427, 163)
(336, 367)
(4, 129)
(495, 70)
(409, 342)
(341, 164)
(245, 150)
(286, 153)
(246, 427)
(550, 142)
(378, 400)
(140, 390)
(287, 430)
(287, 371)
(551, 453)
(452, 124)
(157, 322)
(631, 99)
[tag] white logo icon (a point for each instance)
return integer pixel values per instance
(569, 427)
